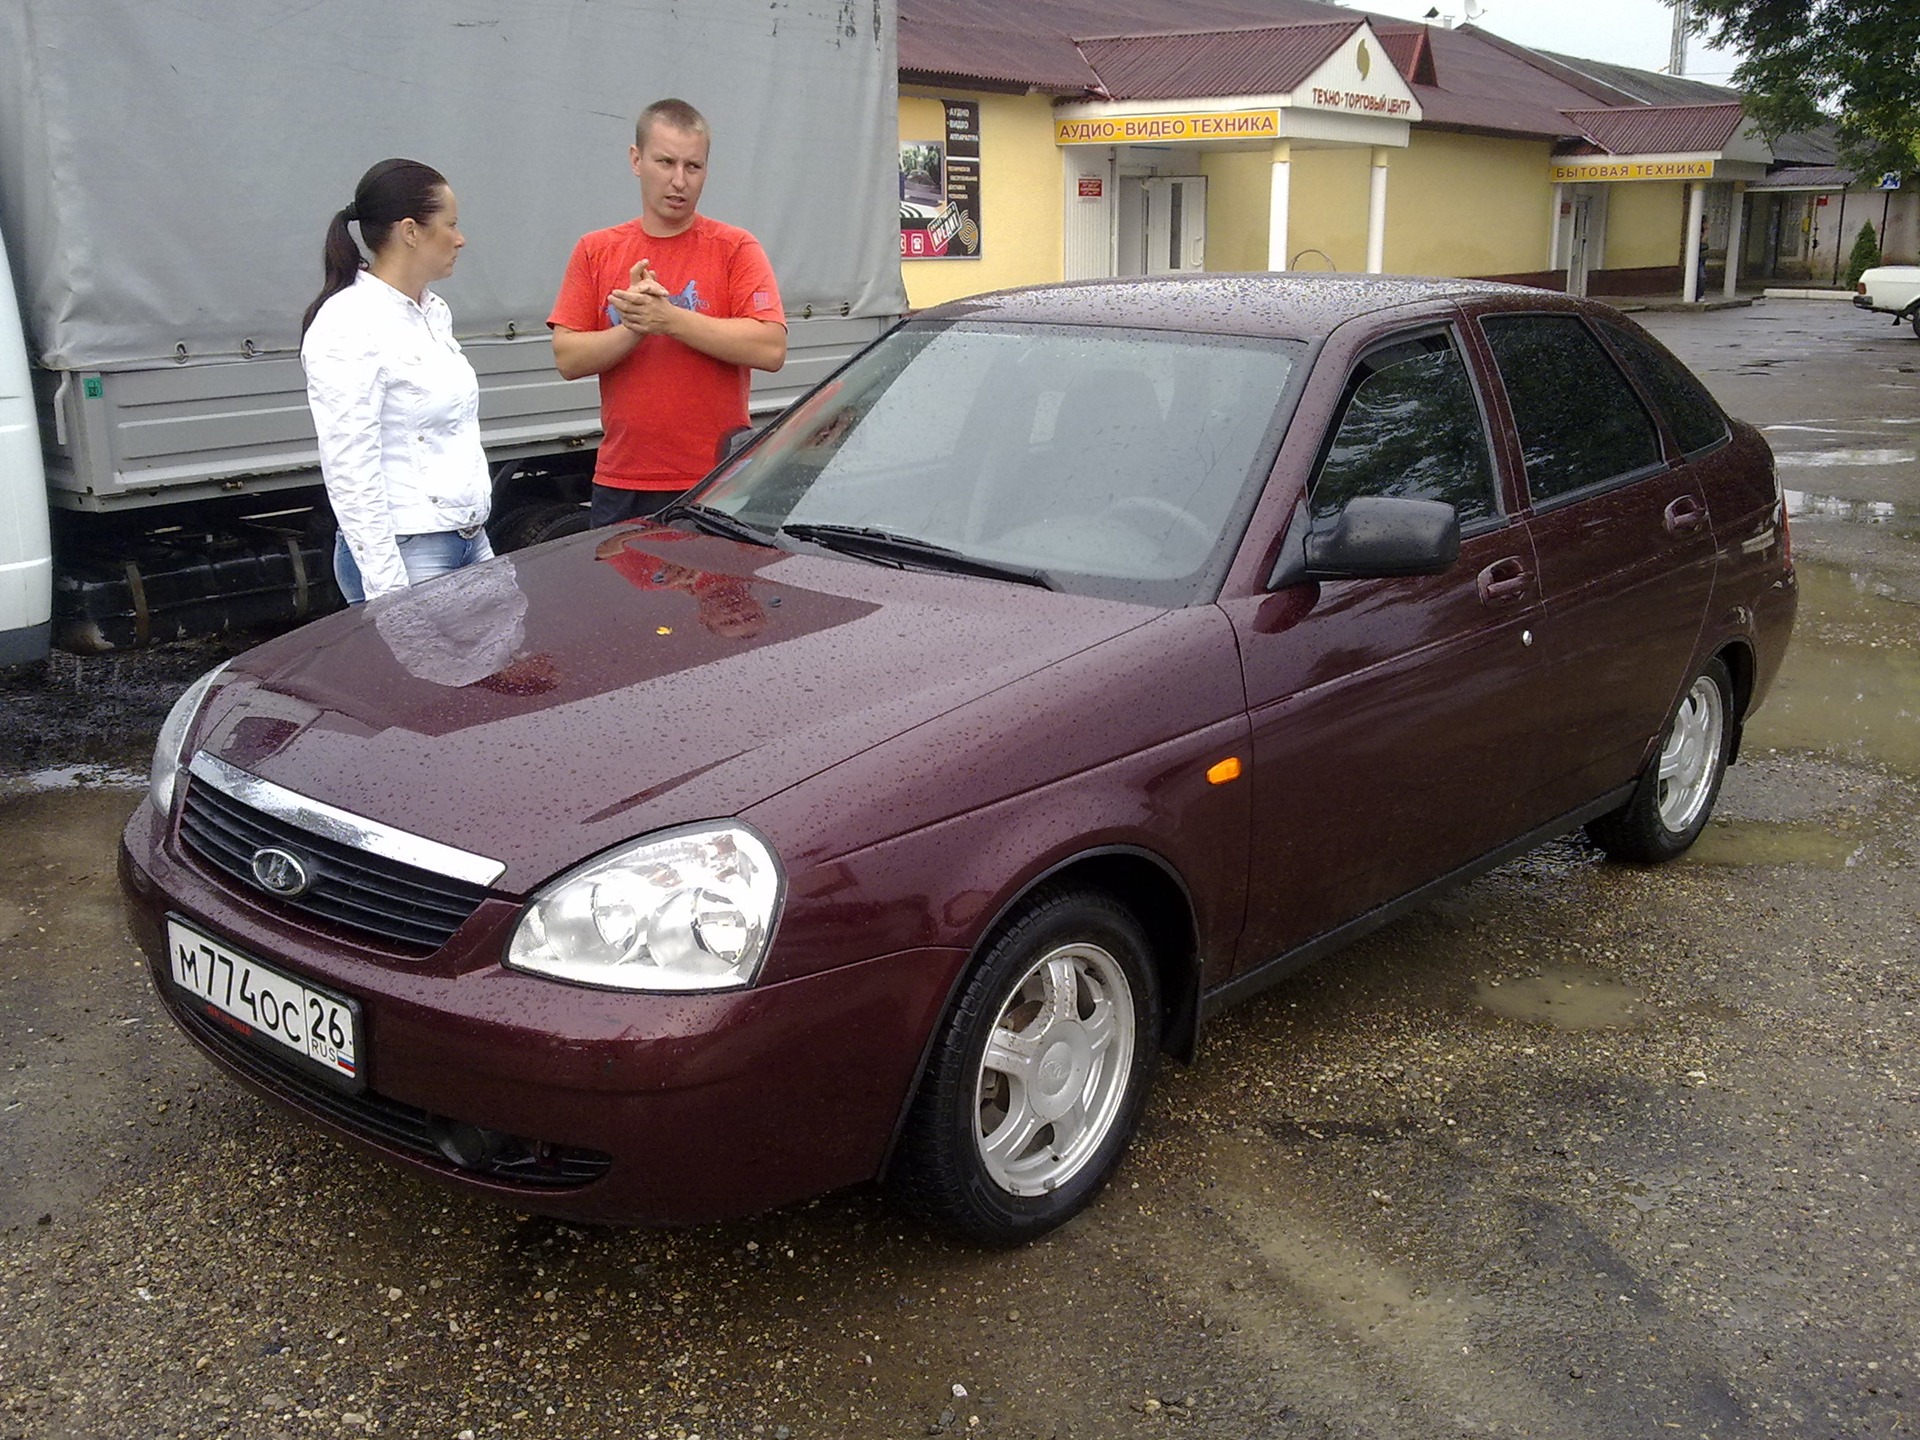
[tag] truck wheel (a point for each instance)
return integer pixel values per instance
(535, 524)
(1036, 1082)
(1672, 802)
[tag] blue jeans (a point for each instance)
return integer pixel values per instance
(424, 556)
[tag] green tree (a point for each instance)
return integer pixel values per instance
(1864, 255)
(1854, 63)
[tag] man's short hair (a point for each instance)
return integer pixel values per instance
(676, 114)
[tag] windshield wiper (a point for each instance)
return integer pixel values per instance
(888, 547)
(716, 522)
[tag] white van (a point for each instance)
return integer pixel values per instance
(26, 551)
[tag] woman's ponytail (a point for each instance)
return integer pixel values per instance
(341, 262)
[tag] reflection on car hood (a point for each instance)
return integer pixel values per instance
(543, 707)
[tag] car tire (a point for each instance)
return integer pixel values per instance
(1036, 1082)
(1674, 798)
(1915, 318)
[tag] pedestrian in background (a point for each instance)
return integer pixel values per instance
(395, 403)
(673, 311)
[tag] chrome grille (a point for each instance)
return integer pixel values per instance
(371, 894)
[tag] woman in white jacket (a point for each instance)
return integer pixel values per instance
(395, 403)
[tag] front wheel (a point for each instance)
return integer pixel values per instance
(1036, 1082)
(1674, 798)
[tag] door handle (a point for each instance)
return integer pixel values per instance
(1503, 581)
(1684, 516)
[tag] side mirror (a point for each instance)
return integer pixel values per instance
(733, 442)
(1372, 536)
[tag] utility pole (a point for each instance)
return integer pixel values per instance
(1677, 57)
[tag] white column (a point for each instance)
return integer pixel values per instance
(1736, 238)
(1553, 227)
(1277, 197)
(1690, 265)
(1377, 213)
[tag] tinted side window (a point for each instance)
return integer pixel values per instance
(1410, 427)
(1579, 420)
(1696, 420)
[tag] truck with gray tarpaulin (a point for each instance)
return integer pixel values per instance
(166, 177)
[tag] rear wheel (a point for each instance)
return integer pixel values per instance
(1037, 1081)
(1674, 799)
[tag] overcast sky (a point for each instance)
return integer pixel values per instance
(1624, 32)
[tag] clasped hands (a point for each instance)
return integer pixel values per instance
(644, 306)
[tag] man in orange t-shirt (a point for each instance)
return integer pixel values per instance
(672, 311)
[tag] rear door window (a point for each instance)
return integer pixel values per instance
(1581, 424)
(1411, 426)
(1696, 420)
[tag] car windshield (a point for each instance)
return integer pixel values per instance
(1106, 462)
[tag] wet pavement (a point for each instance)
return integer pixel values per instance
(1581, 1150)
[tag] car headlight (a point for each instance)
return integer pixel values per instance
(167, 750)
(685, 910)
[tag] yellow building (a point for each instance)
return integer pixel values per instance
(1233, 135)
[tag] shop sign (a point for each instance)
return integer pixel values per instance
(1090, 187)
(1634, 170)
(1193, 125)
(1362, 102)
(940, 189)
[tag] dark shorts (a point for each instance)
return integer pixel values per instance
(611, 506)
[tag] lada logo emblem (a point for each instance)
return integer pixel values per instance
(280, 872)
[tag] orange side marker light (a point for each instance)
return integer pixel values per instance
(1224, 770)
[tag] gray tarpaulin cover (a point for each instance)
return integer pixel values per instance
(168, 167)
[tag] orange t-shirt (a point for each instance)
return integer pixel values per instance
(665, 407)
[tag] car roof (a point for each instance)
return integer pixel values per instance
(1283, 306)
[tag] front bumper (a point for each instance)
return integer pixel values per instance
(638, 1108)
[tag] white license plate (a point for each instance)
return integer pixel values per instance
(268, 1005)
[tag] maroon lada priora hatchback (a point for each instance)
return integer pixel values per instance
(1074, 662)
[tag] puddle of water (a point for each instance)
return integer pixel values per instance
(1564, 999)
(1758, 842)
(72, 777)
(1839, 507)
(1844, 427)
(1850, 682)
(1821, 458)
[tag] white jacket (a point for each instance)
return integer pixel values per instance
(397, 409)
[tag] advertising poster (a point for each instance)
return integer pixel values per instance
(940, 189)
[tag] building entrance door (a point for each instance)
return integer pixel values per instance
(1580, 245)
(1176, 224)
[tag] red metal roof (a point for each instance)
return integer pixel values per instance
(1410, 53)
(1660, 129)
(1266, 60)
(1030, 43)
(1490, 87)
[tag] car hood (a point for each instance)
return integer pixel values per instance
(549, 704)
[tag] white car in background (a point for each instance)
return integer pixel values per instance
(1892, 290)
